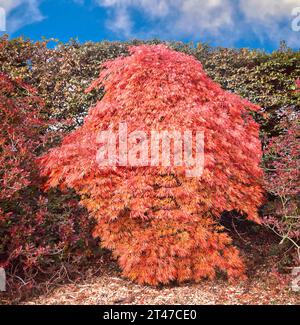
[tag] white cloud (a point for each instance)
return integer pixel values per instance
(212, 16)
(219, 20)
(9, 5)
(20, 13)
(268, 10)
(271, 20)
(172, 17)
(155, 8)
(121, 23)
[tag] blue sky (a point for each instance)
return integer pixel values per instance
(231, 23)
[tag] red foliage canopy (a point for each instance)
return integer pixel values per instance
(161, 225)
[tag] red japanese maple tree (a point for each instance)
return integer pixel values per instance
(160, 224)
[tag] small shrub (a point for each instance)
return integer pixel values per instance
(282, 179)
(37, 231)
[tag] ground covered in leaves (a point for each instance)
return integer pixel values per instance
(269, 282)
(111, 289)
